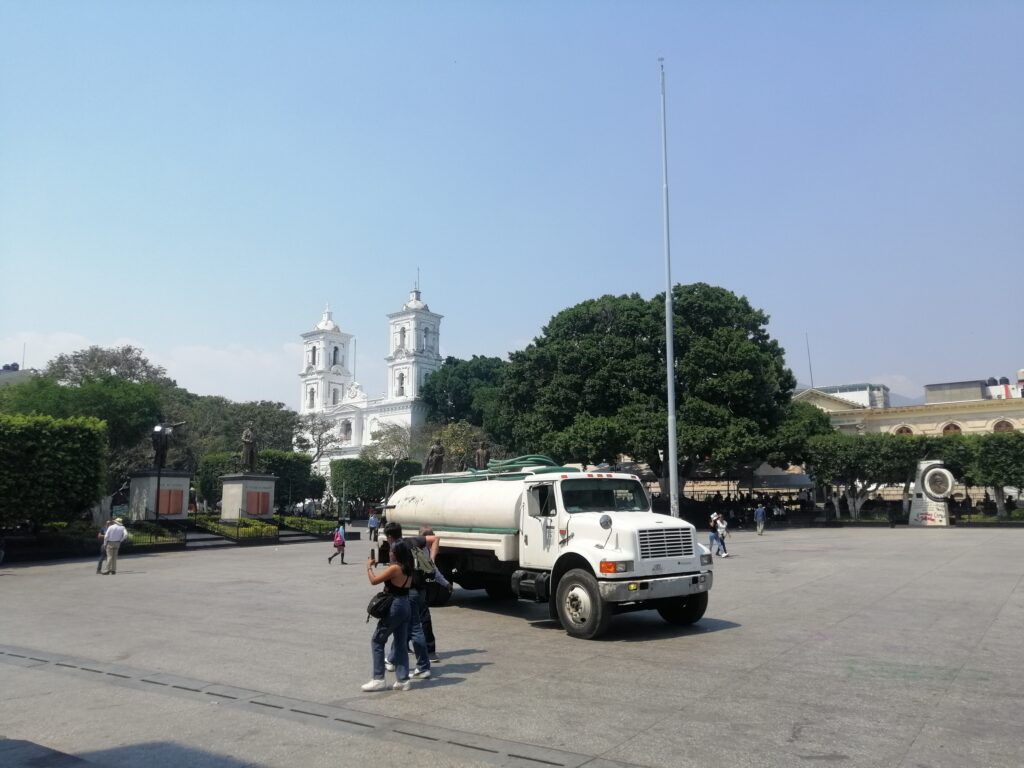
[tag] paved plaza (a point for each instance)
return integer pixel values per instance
(846, 647)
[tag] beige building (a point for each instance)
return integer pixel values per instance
(949, 408)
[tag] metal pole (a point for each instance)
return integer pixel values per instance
(670, 357)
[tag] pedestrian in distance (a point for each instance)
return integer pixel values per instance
(373, 525)
(339, 542)
(723, 532)
(397, 578)
(113, 538)
(759, 515)
(103, 547)
(714, 543)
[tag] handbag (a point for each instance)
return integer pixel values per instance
(379, 606)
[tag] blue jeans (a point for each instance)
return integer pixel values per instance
(715, 543)
(397, 624)
(417, 607)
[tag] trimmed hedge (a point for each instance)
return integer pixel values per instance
(50, 469)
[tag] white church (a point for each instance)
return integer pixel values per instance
(329, 385)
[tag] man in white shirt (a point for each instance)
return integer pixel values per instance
(112, 540)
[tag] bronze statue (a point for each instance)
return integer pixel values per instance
(482, 456)
(434, 463)
(249, 449)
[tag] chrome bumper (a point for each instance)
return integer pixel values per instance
(656, 588)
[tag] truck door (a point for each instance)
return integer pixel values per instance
(538, 544)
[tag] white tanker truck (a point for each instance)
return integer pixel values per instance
(586, 543)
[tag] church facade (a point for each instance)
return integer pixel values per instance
(329, 386)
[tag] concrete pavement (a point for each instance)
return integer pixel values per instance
(855, 647)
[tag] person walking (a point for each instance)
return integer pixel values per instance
(714, 543)
(723, 531)
(339, 542)
(759, 515)
(397, 578)
(114, 536)
(372, 525)
(103, 547)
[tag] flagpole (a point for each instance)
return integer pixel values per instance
(670, 358)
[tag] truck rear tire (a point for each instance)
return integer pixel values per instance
(580, 608)
(683, 611)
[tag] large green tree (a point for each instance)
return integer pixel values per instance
(127, 362)
(464, 390)
(50, 469)
(998, 463)
(129, 408)
(594, 381)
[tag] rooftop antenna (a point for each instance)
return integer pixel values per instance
(670, 360)
(417, 278)
(809, 368)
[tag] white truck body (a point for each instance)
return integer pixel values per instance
(585, 542)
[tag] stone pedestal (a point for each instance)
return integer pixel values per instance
(174, 490)
(929, 505)
(247, 495)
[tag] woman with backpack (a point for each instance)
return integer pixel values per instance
(397, 578)
(339, 542)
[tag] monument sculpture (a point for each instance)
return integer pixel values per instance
(249, 450)
(482, 456)
(434, 463)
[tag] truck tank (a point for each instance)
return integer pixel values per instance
(472, 504)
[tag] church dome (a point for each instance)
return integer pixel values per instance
(327, 322)
(414, 301)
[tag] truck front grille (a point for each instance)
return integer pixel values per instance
(665, 542)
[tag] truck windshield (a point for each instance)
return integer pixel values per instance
(604, 496)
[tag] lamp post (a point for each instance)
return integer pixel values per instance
(159, 457)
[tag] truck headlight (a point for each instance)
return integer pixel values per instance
(616, 566)
(706, 559)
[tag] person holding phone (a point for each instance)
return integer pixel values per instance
(397, 578)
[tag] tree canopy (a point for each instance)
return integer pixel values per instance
(593, 383)
(463, 390)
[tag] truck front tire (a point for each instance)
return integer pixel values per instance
(580, 608)
(683, 611)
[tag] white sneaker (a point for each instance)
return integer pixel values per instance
(389, 666)
(374, 685)
(401, 685)
(420, 674)
(725, 554)
(434, 658)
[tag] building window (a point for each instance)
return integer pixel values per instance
(312, 397)
(1003, 426)
(426, 339)
(334, 356)
(346, 430)
(401, 385)
(312, 355)
(334, 395)
(951, 429)
(401, 337)
(904, 430)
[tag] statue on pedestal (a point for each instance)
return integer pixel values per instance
(249, 451)
(434, 463)
(482, 456)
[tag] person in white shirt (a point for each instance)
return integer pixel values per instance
(112, 540)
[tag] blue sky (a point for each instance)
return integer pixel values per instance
(199, 179)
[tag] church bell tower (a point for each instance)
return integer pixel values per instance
(413, 348)
(326, 365)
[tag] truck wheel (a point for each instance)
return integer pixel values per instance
(683, 611)
(580, 608)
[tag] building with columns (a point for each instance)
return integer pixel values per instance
(329, 385)
(978, 405)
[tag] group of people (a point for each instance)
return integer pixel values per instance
(408, 620)
(111, 537)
